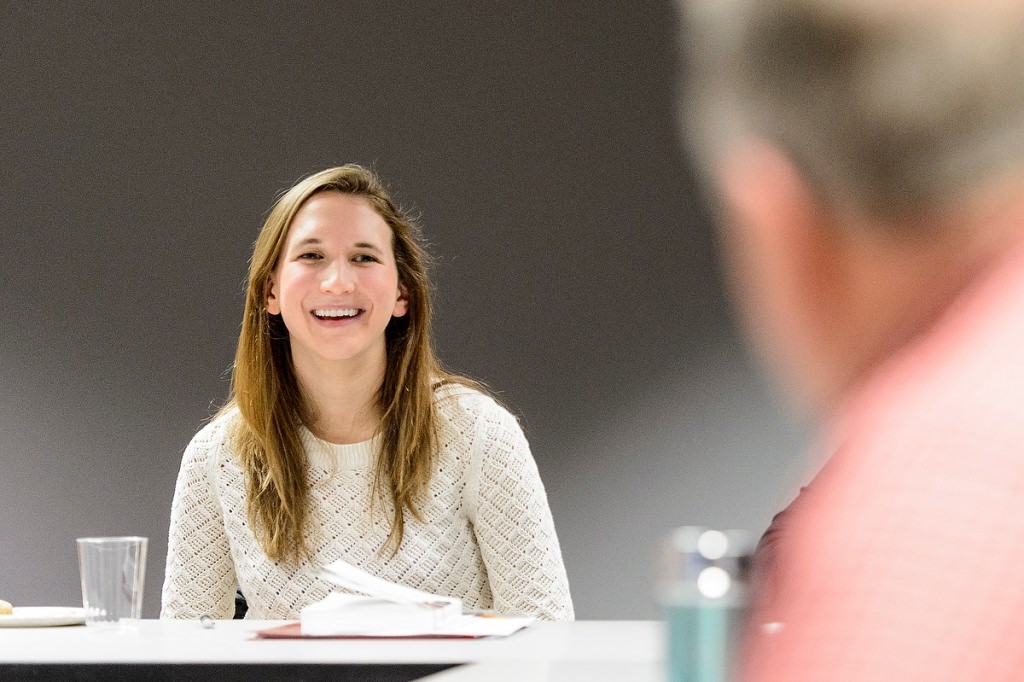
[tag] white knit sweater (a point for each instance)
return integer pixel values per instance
(487, 536)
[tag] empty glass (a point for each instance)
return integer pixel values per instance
(113, 572)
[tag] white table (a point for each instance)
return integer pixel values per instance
(178, 649)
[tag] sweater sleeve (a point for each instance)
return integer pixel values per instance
(200, 575)
(513, 524)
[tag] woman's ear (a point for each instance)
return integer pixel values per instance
(402, 302)
(273, 305)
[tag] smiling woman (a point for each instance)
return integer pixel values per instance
(344, 438)
(336, 289)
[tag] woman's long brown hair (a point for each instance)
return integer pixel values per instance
(272, 407)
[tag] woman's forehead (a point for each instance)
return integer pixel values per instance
(334, 216)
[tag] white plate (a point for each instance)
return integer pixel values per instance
(42, 617)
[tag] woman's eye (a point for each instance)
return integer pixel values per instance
(365, 258)
(310, 255)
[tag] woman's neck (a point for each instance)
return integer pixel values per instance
(344, 399)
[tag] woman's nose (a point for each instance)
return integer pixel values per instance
(337, 279)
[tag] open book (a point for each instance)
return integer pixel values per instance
(384, 609)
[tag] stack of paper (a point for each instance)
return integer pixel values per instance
(384, 609)
(352, 614)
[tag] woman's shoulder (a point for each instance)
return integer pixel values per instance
(463, 405)
(216, 432)
(453, 396)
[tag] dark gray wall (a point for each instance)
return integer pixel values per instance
(141, 144)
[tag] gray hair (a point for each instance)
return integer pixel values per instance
(884, 106)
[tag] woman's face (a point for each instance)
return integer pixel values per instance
(336, 283)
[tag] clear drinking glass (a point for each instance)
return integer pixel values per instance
(702, 591)
(113, 572)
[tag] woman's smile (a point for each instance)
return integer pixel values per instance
(336, 317)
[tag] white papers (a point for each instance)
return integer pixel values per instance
(483, 625)
(354, 614)
(354, 579)
(386, 609)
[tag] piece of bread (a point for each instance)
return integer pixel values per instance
(5, 608)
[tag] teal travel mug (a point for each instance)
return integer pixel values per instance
(702, 590)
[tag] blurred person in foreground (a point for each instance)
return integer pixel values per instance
(868, 158)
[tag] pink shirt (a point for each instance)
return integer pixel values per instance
(904, 558)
